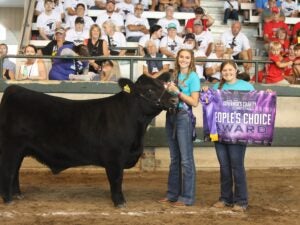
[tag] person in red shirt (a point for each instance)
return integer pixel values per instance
(281, 36)
(296, 65)
(206, 20)
(274, 71)
(296, 33)
(288, 71)
(270, 28)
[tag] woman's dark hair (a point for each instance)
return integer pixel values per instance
(230, 62)
(81, 50)
(31, 46)
(154, 28)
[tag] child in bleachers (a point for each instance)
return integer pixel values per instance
(274, 73)
(296, 65)
(282, 37)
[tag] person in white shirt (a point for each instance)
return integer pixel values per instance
(145, 3)
(125, 8)
(110, 14)
(237, 44)
(154, 68)
(58, 8)
(204, 39)
(190, 43)
(80, 12)
(114, 38)
(70, 5)
(155, 36)
(231, 10)
(47, 21)
(78, 34)
(289, 8)
(212, 69)
(136, 26)
(169, 18)
(172, 43)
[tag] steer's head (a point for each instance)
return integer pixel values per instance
(151, 90)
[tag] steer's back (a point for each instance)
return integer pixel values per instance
(64, 133)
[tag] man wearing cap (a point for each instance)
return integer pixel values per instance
(206, 20)
(237, 44)
(110, 14)
(270, 28)
(80, 12)
(136, 26)
(171, 44)
(169, 18)
(47, 21)
(204, 39)
(78, 34)
(52, 47)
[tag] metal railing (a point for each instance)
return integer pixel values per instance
(130, 59)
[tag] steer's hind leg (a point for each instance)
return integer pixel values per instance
(115, 177)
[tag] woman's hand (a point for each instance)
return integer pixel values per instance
(205, 88)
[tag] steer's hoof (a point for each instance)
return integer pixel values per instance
(121, 205)
(19, 196)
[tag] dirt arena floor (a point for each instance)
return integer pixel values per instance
(76, 198)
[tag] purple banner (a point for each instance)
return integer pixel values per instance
(239, 116)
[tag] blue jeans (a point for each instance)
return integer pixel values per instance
(228, 14)
(233, 175)
(182, 173)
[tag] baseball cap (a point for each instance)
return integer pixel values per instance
(199, 10)
(171, 26)
(60, 30)
(79, 20)
(275, 9)
(110, 1)
(189, 36)
(198, 22)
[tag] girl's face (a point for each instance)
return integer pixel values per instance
(159, 33)
(281, 35)
(29, 51)
(184, 59)
(229, 73)
(275, 51)
(297, 53)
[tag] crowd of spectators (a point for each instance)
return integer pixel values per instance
(67, 25)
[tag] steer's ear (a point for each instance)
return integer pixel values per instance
(166, 76)
(126, 85)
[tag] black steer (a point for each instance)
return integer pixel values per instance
(63, 133)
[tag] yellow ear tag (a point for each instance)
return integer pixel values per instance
(126, 88)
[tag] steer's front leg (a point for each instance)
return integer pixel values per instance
(115, 177)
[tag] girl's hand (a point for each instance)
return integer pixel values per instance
(205, 88)
(269, 91)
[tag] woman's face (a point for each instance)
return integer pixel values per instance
(184, 59)
(159, 33)
(29, 51)
(229, 73)
(95, 32)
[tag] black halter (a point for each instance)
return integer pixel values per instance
(155, 102)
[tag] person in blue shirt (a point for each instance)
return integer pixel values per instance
(231, 156)
(261, 5)
(62, 68)
(179, 129)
